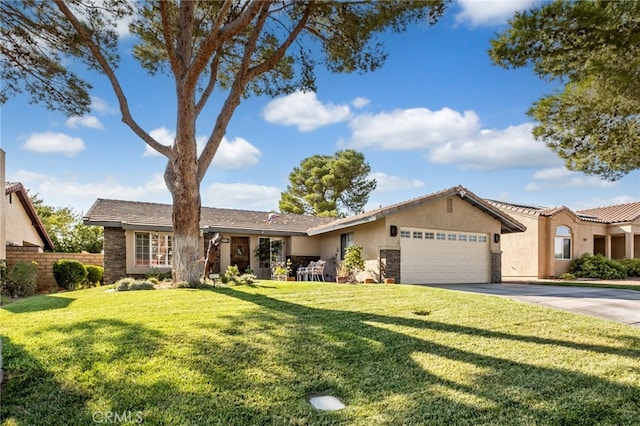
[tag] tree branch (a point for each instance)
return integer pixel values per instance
(167, 30)
(127, 118)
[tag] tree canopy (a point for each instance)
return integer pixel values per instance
(326, 185)
(66, 230)
(593, 48)
(228, 49)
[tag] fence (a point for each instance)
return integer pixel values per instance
(45, 261)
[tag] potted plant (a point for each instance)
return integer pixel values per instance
(282, 270)
(342, 274)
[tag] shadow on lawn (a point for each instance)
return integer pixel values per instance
(38, 303)
(404, 379)
(31, 394)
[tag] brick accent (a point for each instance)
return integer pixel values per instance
(45, 261)
(115, 254)
(390, 264)
(496, 267)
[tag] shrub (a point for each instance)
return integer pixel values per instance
(20, 280)
(131, 284)
(232, 271)
(633, 267)
(69, 274)
(94, 274)
(597, 266)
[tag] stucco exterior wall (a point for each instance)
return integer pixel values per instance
(3, 238)
(520, 255)
(18, 227)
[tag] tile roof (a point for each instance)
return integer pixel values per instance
(619, 213)
(528, 210)
(140, 215)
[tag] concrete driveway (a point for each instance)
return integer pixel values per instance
(612, 304)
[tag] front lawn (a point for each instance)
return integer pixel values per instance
(254, 355)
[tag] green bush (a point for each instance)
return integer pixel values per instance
(69, 274)
(20, 280)
(597, 266)
(568, 276)
(633, 267)
(94, 274)
(131, 284)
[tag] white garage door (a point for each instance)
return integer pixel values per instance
(432, 256)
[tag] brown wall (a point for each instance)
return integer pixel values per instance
(45, 261)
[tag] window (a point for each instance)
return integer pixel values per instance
(563, 242)
(405, 234)
(473, 238)
(153, 249)
(482, 238)
(269, 251)
(429, 235)
(449, 205)
(441, 236)
(451, 237)
(417, 234)
(345, 241)
(462, 237)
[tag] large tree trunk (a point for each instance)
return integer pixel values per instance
(185, 190)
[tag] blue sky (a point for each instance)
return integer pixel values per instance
(438, 114)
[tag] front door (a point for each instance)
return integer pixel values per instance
(240, 253)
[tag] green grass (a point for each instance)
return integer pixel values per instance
(253, 355)
(600, 284)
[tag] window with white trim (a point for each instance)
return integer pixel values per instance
(462, 237)
(429, 235)
(473, 238)
(482, 238)
(405, 234)
(153, 249)
(451, 237)
(441, 236)
(563, 242)
(417, 234)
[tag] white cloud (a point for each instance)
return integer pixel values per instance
(237, 154)
(394, 183)
(89, 121)
(50, 142)
(100, 105)
(514, 146)
(490, 12)
(410, 129)
(163, 136)
(560, 177)
(304, 110)
(360, 102)
(243, 196)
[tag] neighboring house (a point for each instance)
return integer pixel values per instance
(452, 236)
(22, 226)
(556, 236)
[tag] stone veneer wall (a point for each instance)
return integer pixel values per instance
(45, 261)
(390, 264)
(496, 267)
(115, 255)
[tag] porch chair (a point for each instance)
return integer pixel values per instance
(303, 272)
(317, 271)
